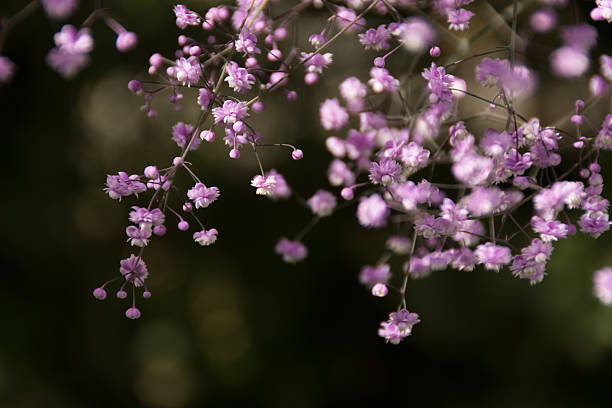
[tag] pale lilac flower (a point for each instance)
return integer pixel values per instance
(59, 9)
(138, 236)
(398, 244)
(594, 223)
(414, 156)
(602, 284)
(371, 275)
(339, 174)
(316, 62)
(380, 290)
(230, 112)
(7, 70)
(464, 259)
(603, 11)
(415, 33)
(143, 216)
(483, 201)
(281, 189)
(381, 81)
(333, 116)
(490, 71)
(549, 201)
(123, 185)
(438, 83)
(372, 211)
(188, 70)
(73, 40)
(605, 64)
(203, 196)
(604, 136)
(264, 185)
(185, 17)
(246, 42)
(469, 232)
(543, 20)
(581, 36)
(493, 256)
(569, 62)
(205, 237)
(550, 230)
(205, 97)
(322, 203)
(473, 169)
(134, 270)
(182, 133)
(353, 91)
(238, 78)
(346, 16)
(292, 251)
(532, 261)
(399, 326)
(459, 20)
(375, 38)
(385, 172)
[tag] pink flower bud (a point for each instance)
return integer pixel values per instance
(297, 154)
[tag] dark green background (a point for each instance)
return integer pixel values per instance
(231, 325)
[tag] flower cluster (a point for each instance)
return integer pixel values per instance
(403, 154)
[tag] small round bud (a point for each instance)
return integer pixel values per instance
(151, 172)
(183, 225)
(234, 153)
(269, 39)
(347, 193)
(159, 230)
(135, 86)
(152, 113)
(187, 207)
(597, 85)
(576, 119)
(311, 78)
(222, 13)
(257, 106)
(543, 20)
(171, 71)
(122, 294)
(380, 290)
(291, 96)
(277, 79)
(186, 49)
(238, 126)
(178, 161)
(195, 51)
(126, 41)
(579, 104)
(251, 62)
(275, 55)
(595, 167)
(584, 173)
(280, 33)
(492, 106)
(571, 229)
(99, 293)
(207, 135)
(578, 145)
(379, 62)
(182, 40)
(146, 294)
(152, 70)
(434, 51)
(259, 26)
(211, 39)
(297, 154)
(207, 25)
(156, 60)
(132, 313)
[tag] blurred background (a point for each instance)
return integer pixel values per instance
(231, 324)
